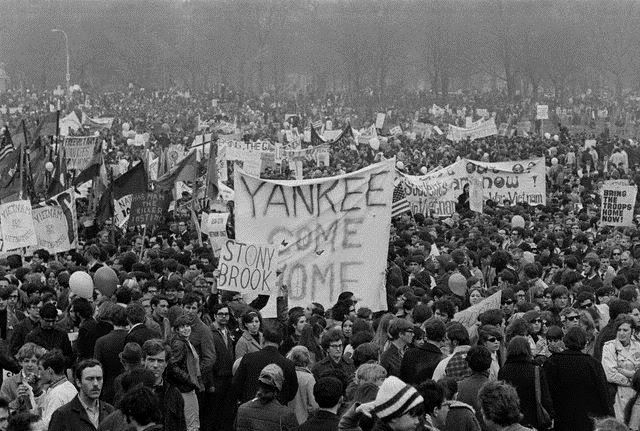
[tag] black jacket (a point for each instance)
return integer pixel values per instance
(245, 381)
(520, 372)
(418, 363)
(578, 388)
(107, 350)
(321, 421)
(73, 417)
(52, 339)
(140, 333)
(172, 407)
(225, 355)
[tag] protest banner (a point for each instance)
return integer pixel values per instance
(436, 193)
(79, 151)
(248, 267)
(542, 112)
(523, 128)
(55, 222)
(148, 208)
(468, 317)
(618, 202)
(479, 129)
(589, 143)
(380, 116)
(332, 233)
(468, 121)
(482, 112)
(241, 151)
(17, 225)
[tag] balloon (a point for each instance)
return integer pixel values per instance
(166, 128)
(81, 284)
(400, 165)
(106, 281)
(554, 161)
(374, 143)
(423, 170)
(547, 135)
(517, 221)
(556, 138)
(458, 284)
(126, 127)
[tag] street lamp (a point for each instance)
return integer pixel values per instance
(66, 46)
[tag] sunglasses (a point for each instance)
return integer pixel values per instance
(492, 339)
(585, 306)
(536, 321)
(545, 323)
(573, 318)
(507, 302)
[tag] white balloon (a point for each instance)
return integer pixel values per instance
(547, 135)
(554, 161)
(556, 138)
(400, 165)
(424, 170)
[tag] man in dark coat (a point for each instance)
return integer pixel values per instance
(418, 363)
(245, 381)
(139, 333)
(156, 358)
(577, 384)
(222, 369)
(327, 392)
(25, 326)
(49, 337)
(85, 411)
(479, 359)
(107, 350)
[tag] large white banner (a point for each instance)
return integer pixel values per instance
(436, 193)
(332, 233)
(618, 202)
(17, 225)
(479, 129)
(55, 222)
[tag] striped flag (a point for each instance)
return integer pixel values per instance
(6, 145)
(400, 204)
(316, 124)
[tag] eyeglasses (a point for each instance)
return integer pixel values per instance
(222, 314)
(573, 318)
(13, 296)
(335, 346)
(545, 323)
(492, 339)
(587, 305)
(616, 254)
(536, 321)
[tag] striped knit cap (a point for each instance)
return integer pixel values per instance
(395, 398)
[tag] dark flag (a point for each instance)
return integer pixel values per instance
(343, 139)
(132, 181)
(184, 170)
(47, 125)
(316, 139)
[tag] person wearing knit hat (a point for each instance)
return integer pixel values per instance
(397, 405)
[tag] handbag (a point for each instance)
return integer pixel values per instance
(544, 419)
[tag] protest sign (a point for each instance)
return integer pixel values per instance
(148, 208)
(17, 225)
(79, 151)
(469, 316)
(241, 151)
(252, 166)
(479, 129)
(468, 121)
(215, 226)
(589, 143)
(618, 201)
(248, 267)
(436, 193)
(542, 112)
(55, 222)
(121, 210)
(332, 233)
(380, 116)
(482, 112)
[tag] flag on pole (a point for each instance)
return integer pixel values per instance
(400, 204)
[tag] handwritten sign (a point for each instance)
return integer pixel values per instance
(246, 267)
(148, 208)
(79, 151)
(618, 202)
(17, 225)
(542, 112)
(215, 226)
(331, 233)
(55, 222)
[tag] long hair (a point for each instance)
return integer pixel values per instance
(266, 393)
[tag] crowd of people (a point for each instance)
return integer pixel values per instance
(157, 346)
